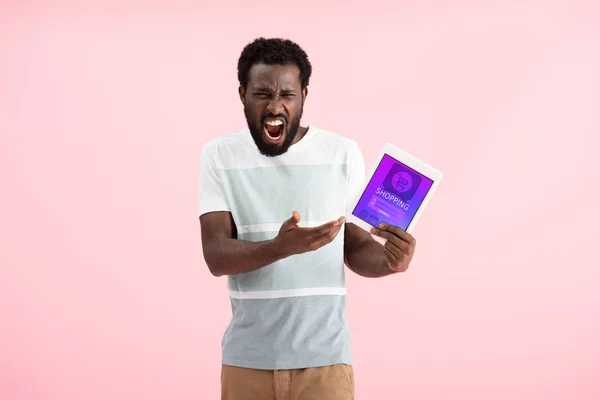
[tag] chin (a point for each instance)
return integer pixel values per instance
(274, 142)
(271, 146)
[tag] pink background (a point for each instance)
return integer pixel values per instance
(103, 112)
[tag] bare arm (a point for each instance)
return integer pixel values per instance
(368, 258)
(226, 255)
(363, 254)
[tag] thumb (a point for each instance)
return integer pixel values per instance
(293, 221)
(295, 217)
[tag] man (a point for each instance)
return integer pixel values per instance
(272, 204)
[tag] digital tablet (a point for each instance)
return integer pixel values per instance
(395, 192)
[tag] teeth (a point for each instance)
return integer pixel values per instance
(274, 123)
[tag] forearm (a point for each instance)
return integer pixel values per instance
(234, 256)
(368, 260)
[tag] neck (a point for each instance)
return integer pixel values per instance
(301, 132)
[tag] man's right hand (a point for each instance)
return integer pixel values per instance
(295, 240)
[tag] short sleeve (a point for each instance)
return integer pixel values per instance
(211, 193)
(356, 173)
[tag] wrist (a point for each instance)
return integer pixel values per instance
(277, 249)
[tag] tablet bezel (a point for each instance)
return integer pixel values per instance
(408, 160)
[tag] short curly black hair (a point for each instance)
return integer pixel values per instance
(273, 51)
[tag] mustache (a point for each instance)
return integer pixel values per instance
(271, 115)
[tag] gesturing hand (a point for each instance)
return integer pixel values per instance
(399, 246)
(295, 240)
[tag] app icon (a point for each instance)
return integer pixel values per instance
(373, 219)
(402, 182)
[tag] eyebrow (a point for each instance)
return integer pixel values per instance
(268, 89)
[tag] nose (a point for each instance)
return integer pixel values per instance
(275, 106)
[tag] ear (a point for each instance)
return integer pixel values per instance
(242, 93)
(304, 94)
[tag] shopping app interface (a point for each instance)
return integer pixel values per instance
(393, 195)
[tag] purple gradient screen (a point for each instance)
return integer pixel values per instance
(393, 195)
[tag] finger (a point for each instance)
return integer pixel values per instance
(329, 226)
(318, 236)
(393, 263)
(291, 222)
(324, 238)
(396, 252)
(402, 234)
(295, 216)
(328, 235)
(390, 257)
(324, 229)
(396, 243)
(390, 237)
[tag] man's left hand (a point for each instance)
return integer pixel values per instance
(398, 248)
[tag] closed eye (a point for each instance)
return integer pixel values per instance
(264, 95)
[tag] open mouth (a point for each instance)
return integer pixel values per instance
(273, 129)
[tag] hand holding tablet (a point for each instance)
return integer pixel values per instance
(396, 191)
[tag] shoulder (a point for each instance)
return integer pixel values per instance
(333, 141)
(233, 146)
(230, 141)
(338, 147)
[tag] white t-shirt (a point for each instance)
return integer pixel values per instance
(289, 314)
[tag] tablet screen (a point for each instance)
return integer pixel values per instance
(393, 195)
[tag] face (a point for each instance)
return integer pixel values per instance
(273, 103)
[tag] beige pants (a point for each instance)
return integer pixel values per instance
(334, 382)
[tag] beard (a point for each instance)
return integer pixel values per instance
(257, 131)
